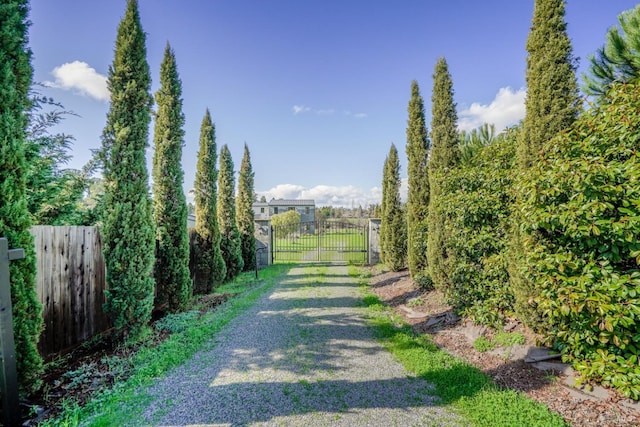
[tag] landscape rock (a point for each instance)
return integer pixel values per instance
(560, 368)
(539, 354)
(514, 352)
(412, 314)
(473, 331)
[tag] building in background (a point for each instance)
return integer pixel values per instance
(263, 211)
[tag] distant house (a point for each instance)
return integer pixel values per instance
(263, 211)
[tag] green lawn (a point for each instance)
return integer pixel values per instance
(346, 246)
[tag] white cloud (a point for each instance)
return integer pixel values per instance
(283, 191)
(82, 78)
(297, 109)
(356, 115)
(325, 195)
(506, 109)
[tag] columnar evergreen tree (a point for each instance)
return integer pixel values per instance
(445, 154)
(418, 195)
(230, 237)
(15, 82)
(552, 102)
(393, 237)
(619, 59)
(383, 205)
(209, 268)
(552, 106)
(244, 211)
(128, 232)
(173, 284)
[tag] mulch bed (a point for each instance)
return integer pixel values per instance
(447, 330)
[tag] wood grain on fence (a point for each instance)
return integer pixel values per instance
(71, 285)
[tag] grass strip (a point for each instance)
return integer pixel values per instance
(125, 402)
(471, 393)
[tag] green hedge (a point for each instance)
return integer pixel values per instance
(581, 238)
(476, 203)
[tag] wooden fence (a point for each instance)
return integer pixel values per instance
(71, 284)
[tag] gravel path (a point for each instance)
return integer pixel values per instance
(303, 355)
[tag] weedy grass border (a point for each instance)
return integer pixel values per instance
(471, 393)
(126, 400)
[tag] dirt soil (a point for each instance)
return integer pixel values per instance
(428, 313)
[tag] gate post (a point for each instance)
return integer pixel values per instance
(374, 241)
(270, 244)
(8, 372)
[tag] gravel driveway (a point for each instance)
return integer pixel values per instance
(303, 355)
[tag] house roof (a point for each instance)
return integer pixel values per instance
(291, 202)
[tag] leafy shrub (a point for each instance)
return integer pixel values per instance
(476, 203)
(177, 322)
(286, 223)
(483, 344)
(581, 241)
(506, 339)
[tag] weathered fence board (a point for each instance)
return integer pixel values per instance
(71, 285)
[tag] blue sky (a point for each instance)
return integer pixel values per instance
(318, 89)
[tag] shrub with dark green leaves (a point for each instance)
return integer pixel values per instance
(476, 203)
(581, 241)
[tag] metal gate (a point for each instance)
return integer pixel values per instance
(320, 241)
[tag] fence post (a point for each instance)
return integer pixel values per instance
(270, 247)
(256, 261)
(8, 373)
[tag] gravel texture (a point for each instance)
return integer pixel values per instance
(302, 355)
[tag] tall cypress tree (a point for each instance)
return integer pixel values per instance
(230, 237)
(445, 153)
(552, 106)
(128, 232)
(382, 210)
(552, 103)
(244, 212)
(393, 237)
(173, 284)
(418, 195)
(209, 267)
(15, 81)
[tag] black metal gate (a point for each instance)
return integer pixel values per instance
(320, 241)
